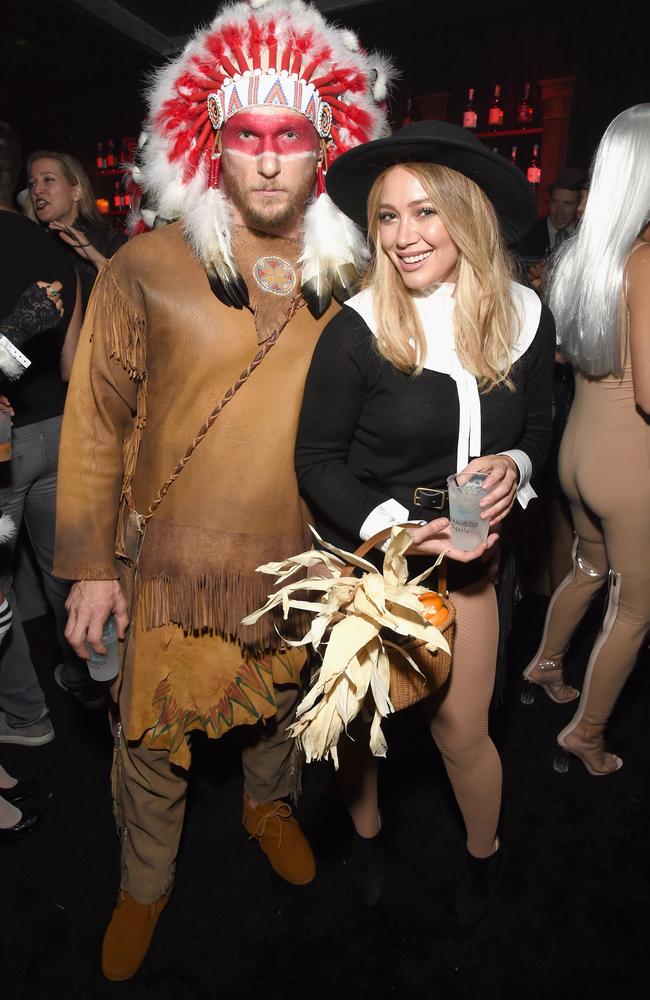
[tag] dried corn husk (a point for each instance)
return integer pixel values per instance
(350, 613)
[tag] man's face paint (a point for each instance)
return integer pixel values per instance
(269, 159)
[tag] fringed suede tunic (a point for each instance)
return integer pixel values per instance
(157, 353)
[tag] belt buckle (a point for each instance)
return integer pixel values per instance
(437, 504)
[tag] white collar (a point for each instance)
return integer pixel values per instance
(436, 313)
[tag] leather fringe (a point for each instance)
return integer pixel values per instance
(215, 604)
(296, 762)
(117, 778)
(124, 326)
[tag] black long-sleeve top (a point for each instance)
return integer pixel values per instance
(369, 432)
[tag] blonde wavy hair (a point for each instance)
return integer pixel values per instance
(485, 319)
(75, 175)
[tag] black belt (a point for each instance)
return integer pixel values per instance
(430, 499)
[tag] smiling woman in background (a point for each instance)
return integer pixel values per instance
(64, 201)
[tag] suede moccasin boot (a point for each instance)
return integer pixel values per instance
(274, 827)
(129, 935)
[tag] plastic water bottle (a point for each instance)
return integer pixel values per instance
(103, 667)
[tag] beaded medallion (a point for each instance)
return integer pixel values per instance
(275, 275)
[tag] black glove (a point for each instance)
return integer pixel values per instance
(33, 313)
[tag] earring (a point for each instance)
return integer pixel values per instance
(215, 162)
(321, 172)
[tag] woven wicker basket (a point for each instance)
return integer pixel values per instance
(406, 686)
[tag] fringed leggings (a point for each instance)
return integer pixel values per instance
(458, 718)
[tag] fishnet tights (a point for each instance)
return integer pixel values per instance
(458, 718)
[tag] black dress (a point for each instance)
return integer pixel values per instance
(370, 433)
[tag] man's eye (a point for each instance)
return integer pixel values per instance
(245, 134)
(291, 135)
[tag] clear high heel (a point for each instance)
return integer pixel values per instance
(586, 742)
(548, 675)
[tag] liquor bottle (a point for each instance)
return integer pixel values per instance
(495, 114)
(470, 117)
(408, 113)
(110, 155)
(534, 173)
(513, 156)
(118, 201)
(525, 111)
(99, 160)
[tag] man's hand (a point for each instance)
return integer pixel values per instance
(6, 406)
(435, 537)
(89, 604)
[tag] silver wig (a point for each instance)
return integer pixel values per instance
(586, 285)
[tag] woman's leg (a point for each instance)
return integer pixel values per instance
(357, 778)
(459, 723)
(574, 594)
(626, 621)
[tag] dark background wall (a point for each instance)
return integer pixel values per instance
(66, 80)
(450, 47)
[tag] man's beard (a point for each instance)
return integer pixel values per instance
(270, 219)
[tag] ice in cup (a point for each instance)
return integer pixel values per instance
(468, 531)
(103, 667)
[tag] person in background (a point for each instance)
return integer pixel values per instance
(16, 820)
(28, 482)
(409, 384)
(600, 296)
(553, 229)
(63, 200)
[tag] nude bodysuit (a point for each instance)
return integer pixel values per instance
(605, 473)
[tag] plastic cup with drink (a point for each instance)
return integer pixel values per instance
(468, 530)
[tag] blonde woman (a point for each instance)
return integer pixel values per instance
(63, 200)
(441, 364)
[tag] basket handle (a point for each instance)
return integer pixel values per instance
(385, 533)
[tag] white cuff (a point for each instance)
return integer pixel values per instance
(525, 491)
(387, 514)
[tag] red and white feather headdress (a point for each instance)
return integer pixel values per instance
(261, 52)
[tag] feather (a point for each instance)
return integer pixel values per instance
(224, 290)
(207, 223)
(9, 367)
(385, 75)
(7, 528)
(334, 254)
(317, 293)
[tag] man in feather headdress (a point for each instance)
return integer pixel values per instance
(222, 303)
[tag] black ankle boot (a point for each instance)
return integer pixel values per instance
(367, 862)
(477, 887)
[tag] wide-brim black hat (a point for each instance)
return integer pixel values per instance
(351, 176)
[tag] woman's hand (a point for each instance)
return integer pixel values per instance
(77, 240)
(501, 485)
(53, 292)
(435, 537)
